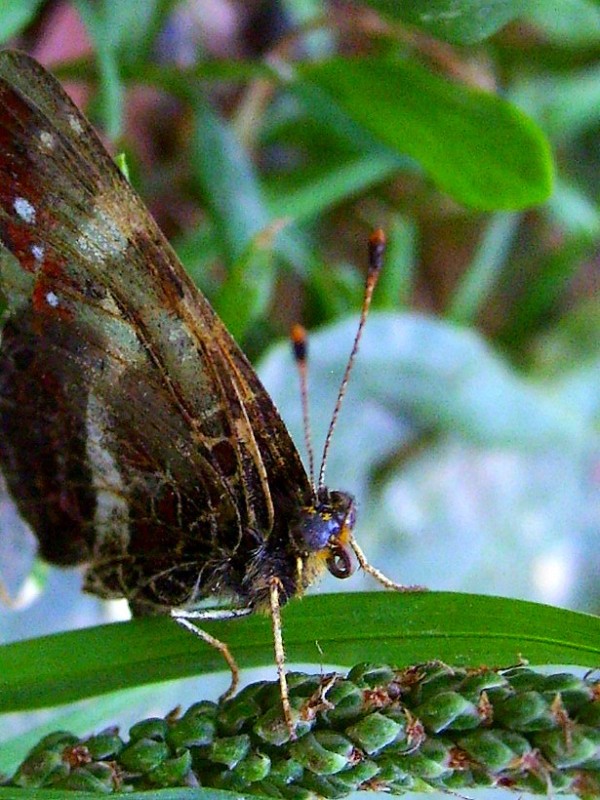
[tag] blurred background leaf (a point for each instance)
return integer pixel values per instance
(460, 21)
(16, 15)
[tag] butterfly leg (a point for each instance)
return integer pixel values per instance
(184, 618)
(5, 597)
(274, 587)
(378, 575)
(30, 589)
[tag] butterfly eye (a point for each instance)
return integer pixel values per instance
(340, 562)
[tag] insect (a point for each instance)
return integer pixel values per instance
(135, 437)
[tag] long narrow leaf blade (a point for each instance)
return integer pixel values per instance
(380, 626)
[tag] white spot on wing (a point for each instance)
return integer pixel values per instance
(25, 210)
(111, 520)
(52, 299)
(47, 140)
(75, 124)
(100, 236)
(37, 251)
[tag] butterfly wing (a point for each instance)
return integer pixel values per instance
(132, 427)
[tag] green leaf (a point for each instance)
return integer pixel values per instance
(446, 379)
(153, 794)
(461, 21)
(574, 212)
(540, 296)
(483, 274)
(16, 15)
(477, 147)
(570, 23)
(98, 20)
(565, 105)
(395, 285)
(245, 294)
(333, 185)
(402, 629)
(228, 181)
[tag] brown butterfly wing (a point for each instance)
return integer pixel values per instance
(134, 433)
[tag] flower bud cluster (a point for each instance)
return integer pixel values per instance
(416, 729)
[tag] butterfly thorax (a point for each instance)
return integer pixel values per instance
(318, 539)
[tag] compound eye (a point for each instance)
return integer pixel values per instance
(340, 563)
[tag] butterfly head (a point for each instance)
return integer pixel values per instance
(322, 534)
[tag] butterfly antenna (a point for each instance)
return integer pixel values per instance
(300, 348)
(377, 244)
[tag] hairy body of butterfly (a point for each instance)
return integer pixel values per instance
(135, 436)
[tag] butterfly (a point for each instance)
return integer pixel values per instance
(135, 436)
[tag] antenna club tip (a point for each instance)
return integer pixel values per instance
(299, 340)
(378, 238)
(377, 245)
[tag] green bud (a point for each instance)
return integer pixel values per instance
(492, 749)
(228, 750)
(191, 730)
(271, 726)
(104, 746)
(436, 679)
(448, 711)
(56, 741)
(152, 728)
(203, 708)
(576, 747)
(430, 761)
(40, 769)
(351, 779)
(574, 692)
(255, 767)
(590, 715)
(325, 755)
(143, 755)
(371, 675)
(96, 778)
(347, 701)
(525, 711)
(286, 770)
(472, 686)
(246, 705)
(171, 771)
(376, 731)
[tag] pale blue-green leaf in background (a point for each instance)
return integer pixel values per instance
(16, 15)
(575, 212)
(498, 502)
(570, 23)
(564, 105)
